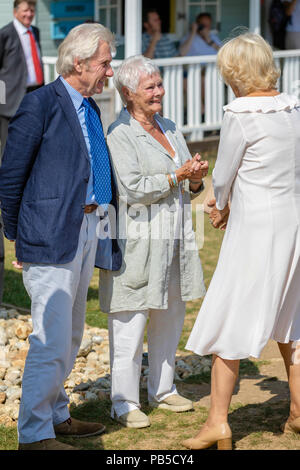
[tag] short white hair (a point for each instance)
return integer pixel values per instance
(130, 71)
(82, 43)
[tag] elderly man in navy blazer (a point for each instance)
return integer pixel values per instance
(55, 183)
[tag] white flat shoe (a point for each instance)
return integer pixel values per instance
(133, 419)
(174, 402)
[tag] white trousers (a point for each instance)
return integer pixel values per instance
(58, 303)
(126, 336)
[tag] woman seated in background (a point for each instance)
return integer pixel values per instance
(254, 294)
(156, 178)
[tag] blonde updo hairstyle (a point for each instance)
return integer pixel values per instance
(246, 63)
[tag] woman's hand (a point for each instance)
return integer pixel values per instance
(194, 169)
(218, 218)
(199, 168)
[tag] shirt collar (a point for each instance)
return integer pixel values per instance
(21, 29)
(75, 96)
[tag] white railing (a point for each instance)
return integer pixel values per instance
(50, 73)
(195, 94)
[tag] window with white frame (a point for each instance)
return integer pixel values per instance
(109, 13)
(194, 7)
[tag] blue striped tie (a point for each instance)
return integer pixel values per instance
(100, 158)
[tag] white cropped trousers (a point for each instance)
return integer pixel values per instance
(126, 336)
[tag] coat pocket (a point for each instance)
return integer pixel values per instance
(136, 263)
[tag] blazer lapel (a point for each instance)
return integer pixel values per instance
(70, 115)
(17, 40)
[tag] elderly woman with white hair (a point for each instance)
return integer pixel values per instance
(254, 293)
(156, 178)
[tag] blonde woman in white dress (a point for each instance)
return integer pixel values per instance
(255, 291)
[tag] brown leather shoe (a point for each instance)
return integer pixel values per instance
(75, 428)
(46, 444)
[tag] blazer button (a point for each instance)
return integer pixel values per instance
(86, 179)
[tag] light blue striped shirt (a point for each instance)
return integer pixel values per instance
(77, 100)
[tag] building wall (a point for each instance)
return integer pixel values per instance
(6, 12)
(233, 16)
(43, 22)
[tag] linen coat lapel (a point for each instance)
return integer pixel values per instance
(70, 115)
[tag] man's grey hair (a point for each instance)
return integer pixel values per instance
(82, 42)
(130, 72)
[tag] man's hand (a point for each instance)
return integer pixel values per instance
(194, 29)
(205, 34)
(17, 264)
(156, 36)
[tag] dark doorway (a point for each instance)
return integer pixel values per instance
(163, 9)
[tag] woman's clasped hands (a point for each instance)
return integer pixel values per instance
(196, 168)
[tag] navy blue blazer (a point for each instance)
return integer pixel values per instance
(43, 181)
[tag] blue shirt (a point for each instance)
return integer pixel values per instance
(164, 48)
(77, 100)
(200, 47)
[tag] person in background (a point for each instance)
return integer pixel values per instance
(54, 180)
(21, 67)
(292, 9)
(155, 44)
(200, 40)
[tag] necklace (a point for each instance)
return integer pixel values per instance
(152, 125)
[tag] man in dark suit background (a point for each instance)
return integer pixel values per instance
(20, 61)
(54, 180)
(21, 71)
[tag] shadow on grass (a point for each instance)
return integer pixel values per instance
(255, 419)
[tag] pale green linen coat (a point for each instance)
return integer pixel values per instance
(148, 205)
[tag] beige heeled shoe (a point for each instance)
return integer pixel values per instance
(291, 426)
(220, 434)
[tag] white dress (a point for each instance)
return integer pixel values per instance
(254, 294)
